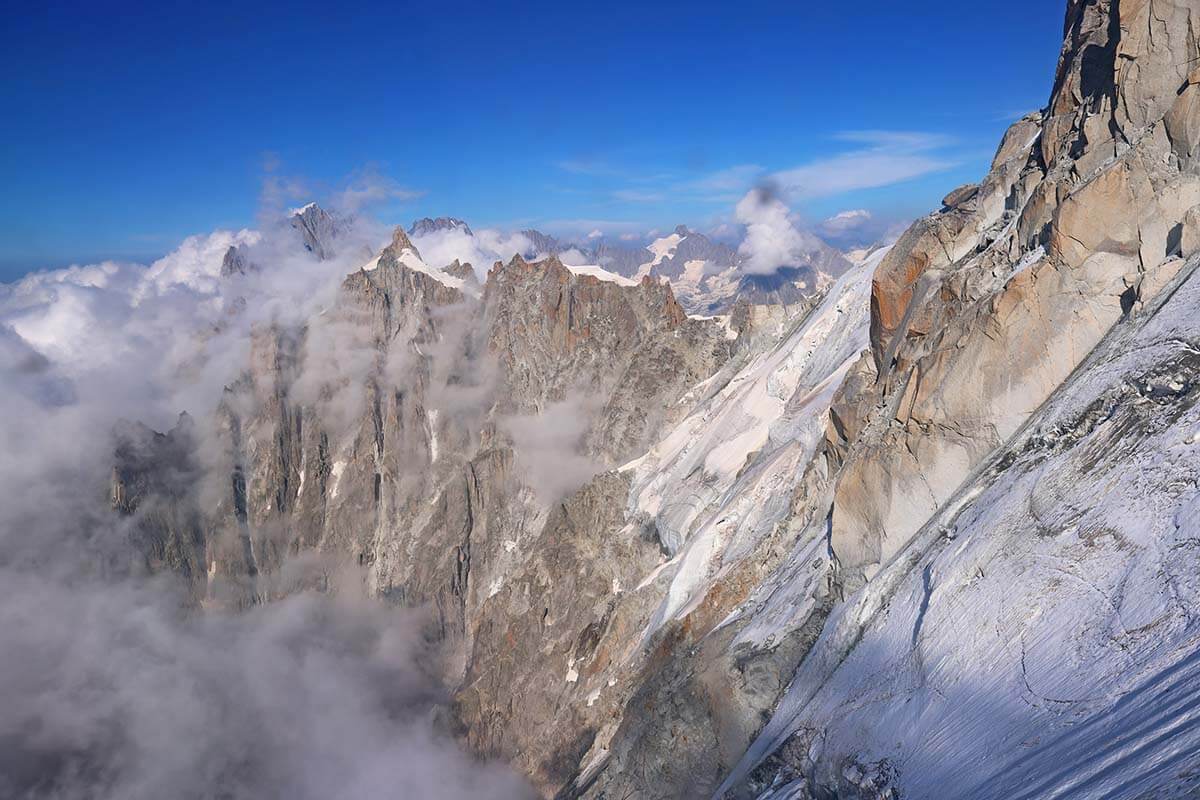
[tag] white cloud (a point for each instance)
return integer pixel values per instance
(195, 264)
(771, 241)
(310, 697)
(481, 249)
(858, 227)
(845, 221)
(549, 447)
(869, 159)
(572, 257)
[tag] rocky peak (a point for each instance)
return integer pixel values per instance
(566, 290)
(317, 228)
(426, 226)
(1119, 74)
(400, 242)
(960, 195)
(785, 286)
(696, 247)
(465, 272)
(557, 332)
(398, 288)
(1085, 214)
(619, 258)
(234, 262)
(541, 243)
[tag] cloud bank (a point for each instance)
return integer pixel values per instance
(112, 685)
(109, 692)
(480, 249)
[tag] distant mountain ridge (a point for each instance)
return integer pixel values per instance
(706, 274)
(426, 226)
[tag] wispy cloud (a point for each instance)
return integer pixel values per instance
(854, 160)
(369, 187)
(638, 196)
(844, 221)
(587, 166)
(730, 179)
(857, 227)
(722, 186)
(364, 188)
(868, 159)
(583, 227)
(898, 140)
(884, 158)
(606, 168)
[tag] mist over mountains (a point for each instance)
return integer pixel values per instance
(340, 508)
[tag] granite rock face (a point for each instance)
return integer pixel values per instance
(937, 509)
(971, 331)
(960, 473)
(317, 228)
(396, 430)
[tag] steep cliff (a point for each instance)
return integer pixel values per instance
(941, 512)
(1008, 472)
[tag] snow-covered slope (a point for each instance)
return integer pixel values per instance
(721, 479)
(1041, 629)
(411, 259)
(600, 274)
(661, 248)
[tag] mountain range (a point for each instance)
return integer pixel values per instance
(918, 521)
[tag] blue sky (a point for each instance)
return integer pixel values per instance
(128, 129)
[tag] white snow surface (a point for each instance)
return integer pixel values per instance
(698, 286)
(411, 260)
(433, 435)
(1039, 637)
(600, 273)
(335, 472)
(661, 249)
(722, 479)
